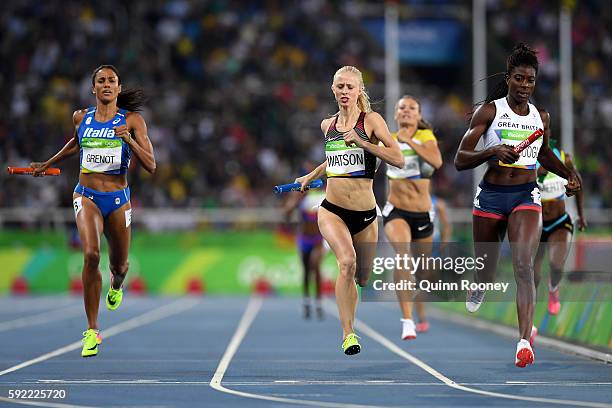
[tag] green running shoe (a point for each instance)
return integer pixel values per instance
(91, 339)
(113, 298)
(350, 345)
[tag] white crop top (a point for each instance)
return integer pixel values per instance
(511, 129)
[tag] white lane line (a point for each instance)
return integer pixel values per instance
(41, 403)
(20, 304)
(388, 344)
(42, 318)
(506, 331)
(243, 326)
(305, 383)
(510, 332)
(146, 318)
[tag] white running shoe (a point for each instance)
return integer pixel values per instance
(524, 354)
(408, 329)
(474, 299)
(534, 333)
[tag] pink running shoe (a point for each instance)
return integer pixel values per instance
(422, 327)
(554, 304)
(534, 333)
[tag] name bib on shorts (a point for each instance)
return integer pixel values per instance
(100, 155)
(529, 156)
(343, 160)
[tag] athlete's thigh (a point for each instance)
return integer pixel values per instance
(336, 233)
(89, 222)
(488, 234)
(486, 229)
(524, 232)
(365, 243)
(559, 244)
(118, 232)
(398, 234)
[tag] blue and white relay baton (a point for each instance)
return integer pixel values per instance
(285, 188)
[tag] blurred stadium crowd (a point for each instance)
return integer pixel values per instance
(237, 90)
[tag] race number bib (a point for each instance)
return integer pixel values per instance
(343, 160)
(552, 187)
(77, 203)
(529, 156)
(411, 167)
(100, 155)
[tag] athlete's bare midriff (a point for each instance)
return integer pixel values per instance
(351, 193)
(508, 176)
(103, 182)
(410, 195)
(551, 210)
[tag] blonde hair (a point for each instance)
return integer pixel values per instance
(363, 102)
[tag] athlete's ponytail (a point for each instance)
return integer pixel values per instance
(363, 102)
(129, 99)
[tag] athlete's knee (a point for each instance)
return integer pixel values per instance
(556, 267)
(347, 265)
(91, 258)
(524, 272)
(119, 269)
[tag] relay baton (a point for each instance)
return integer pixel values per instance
(285, 188)
(532, 138)
(51, 171)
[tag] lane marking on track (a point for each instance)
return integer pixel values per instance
(389, 345)
(305, 382)
(42, 403)
(146, 318)
(141, 320)
(247, 319)
(63, 313)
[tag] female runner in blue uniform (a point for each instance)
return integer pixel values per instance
(105, 136)
(309, 242)
(508, 198)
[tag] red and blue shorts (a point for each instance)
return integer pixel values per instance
(498, 202)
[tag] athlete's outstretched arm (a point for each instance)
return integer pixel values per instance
(71, 147)
(313, 175)
(389, 152)
(582, 222)
(467, 156)
(428, 151)
(291, 204)
(140, 143)
(549, 160)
